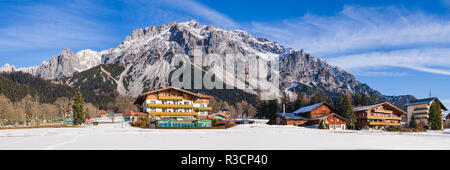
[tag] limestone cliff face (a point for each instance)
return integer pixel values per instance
(147, 57)
(147, 54)
(67, 63)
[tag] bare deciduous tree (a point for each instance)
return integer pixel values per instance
(93, 110)
(124, 103)
(63, 104)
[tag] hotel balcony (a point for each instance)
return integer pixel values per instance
(420, 108)
(422, 116)
(420, 113)
(170, 97)
(173, 113)
(186, 106)
(384, 123)
(380, 117)
(202, 108)
(198, 101)
(383, 111)
(384, 117)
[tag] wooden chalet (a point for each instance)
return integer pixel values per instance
(378, 116)
(310, 115)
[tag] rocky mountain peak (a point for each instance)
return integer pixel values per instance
(66, 53)
(7, 68)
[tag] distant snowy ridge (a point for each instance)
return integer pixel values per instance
(63, 65)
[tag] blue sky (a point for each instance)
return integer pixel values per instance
(397, 47)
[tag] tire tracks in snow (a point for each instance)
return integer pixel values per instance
(63, 143)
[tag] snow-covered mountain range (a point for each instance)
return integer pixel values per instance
(147, 53)
(65, 64)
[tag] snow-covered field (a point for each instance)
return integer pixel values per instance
(247, 137)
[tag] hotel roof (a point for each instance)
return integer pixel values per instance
(311, 108)
(425, 101)
(292, 116)
(421, 101)
(361, 108)
(141, 97)
(178, 89)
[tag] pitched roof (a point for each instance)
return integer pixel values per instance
(140, 114)
(421, 101)
(102, 112)
(328, 115)
(361, 108)
(132, 113)
(142, 96)
(128, 113)
(311, 108)
(178, 89)
(292, 116)
(425, 101)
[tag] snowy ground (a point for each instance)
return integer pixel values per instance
(247, 137)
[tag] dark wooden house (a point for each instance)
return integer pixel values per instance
(310, 115)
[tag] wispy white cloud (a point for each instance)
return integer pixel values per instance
(432, 60)
(359, 29)
(381, 74)
(44, 26)
(188, 9)
(360, 37)
(204, 12)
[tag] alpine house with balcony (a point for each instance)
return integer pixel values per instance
(174, 107)
(378, 116)
(420, 109)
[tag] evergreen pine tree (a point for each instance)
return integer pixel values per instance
(317, 98)
(413, 123)
(364, 100)
(259, 105)
(324, 124)
(287, 103)
(330, 101)
(435, 116)
(272, 108)
(298, 102)
(357, 100)
(345, 109)
(78, 108)
(373, 99)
